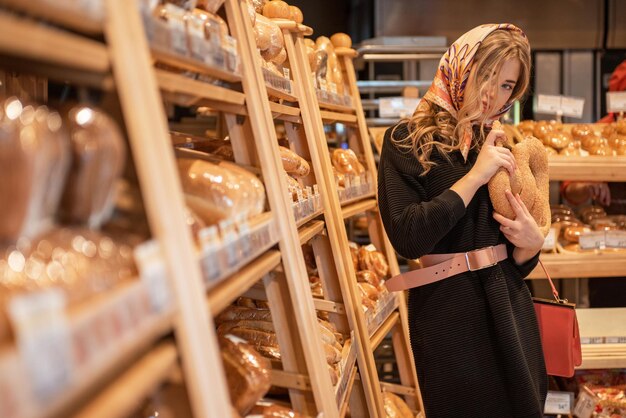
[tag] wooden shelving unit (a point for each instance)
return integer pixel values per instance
(107, 50)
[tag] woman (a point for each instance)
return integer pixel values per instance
(474, 334)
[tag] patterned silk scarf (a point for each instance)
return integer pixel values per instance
(448, 87)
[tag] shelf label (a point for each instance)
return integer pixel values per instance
(595, 239)
(585, 404)
(396, 107)
(43, 340)
(153, 273)
(560, 105)
(616, 239)
(616, 101)
(558, 403)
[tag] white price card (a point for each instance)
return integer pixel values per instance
(558, 403)
(591, 240)
(616, 239)
(153, 273)
(585, 404)
(43, 340)
(616, 101)
(392, 107)
(548, 104)
(286, 73)
(572, 106)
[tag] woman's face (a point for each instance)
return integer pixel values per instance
(497, 92)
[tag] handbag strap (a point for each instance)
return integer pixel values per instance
(554, 291)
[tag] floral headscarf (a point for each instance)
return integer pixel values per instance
(448, 88)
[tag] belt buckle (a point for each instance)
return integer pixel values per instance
(493, 261)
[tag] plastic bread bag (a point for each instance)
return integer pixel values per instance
(211, 191)
(98, 157)
(252, 189)
(269, 37)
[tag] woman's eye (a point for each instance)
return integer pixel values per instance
(507, 87)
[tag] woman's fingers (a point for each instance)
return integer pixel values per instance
(522, 204)
(506, 222)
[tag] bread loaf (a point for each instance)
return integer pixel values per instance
(293, 163)
(98, 159)
(330, 327)
(373, 261)
(367, 276)
(341, 40)
(395, 407)
(234, 313)
(295, 14)
(345, 161)
(333, 355)
(369, 290)
(334, 374)
(269, 37)
(255, 324)
(246, 302)
(276, 9)
(247, 373)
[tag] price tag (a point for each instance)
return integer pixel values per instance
(560, 105)
(550, 242)
(616, 239)
(558, 403)
(585, 404)
(548, 104)
(332, 87)
(229, 238)
(393, 107)
(43, 340)
(244, 238)
(323, 85)
(572, 106)
(595, 239)
(286, 73)
(616, 101)
(153, 273)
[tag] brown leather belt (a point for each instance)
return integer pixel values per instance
(441, 266)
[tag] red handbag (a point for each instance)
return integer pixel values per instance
(560, 338)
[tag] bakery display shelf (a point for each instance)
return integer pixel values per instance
(346, 379)
(309, 208)
(348, 196)
(46, 45)
(85, 16)
(190, 64)
(120, 398)
(384, 329)
(359, 207)
(229, 289)
(329, 117)
(385, 306)
(279, 93)
(102, 337)
(591, 168)
(186, 92)
(576, 265)
(278, 87)
(309, 230)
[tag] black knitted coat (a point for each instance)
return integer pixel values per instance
(474, 335)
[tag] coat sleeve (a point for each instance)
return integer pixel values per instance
(413, 223)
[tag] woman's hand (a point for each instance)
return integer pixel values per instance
(492, 157)
(523, 231)
(489, 161)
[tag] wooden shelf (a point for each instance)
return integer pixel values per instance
(189, 64)
(310, 230)
(123, 396)
(591, 168)
(346, 52)
(283, 112)
(347, 202)
(45, 44)
(576, 265)
(306, 219)
(348, 373)
(194, 92)
(356, 208)
(384, 329)
(336, 107)
(280, 94)
(54, 12)
(329, 117)
(225, 292)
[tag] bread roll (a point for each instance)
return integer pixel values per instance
(330, 327)
(367, 276)
(269, 37)
(345, 161)
(369, 290)
(374, 261)
(334, 374)
(341, 40)
(247, 373)
(573, 233)
(98, 159)
(395, 407)
(333, 355)
(557, 140)
(276, 9)
(267, 410)
(295, 14)
(293, 163)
